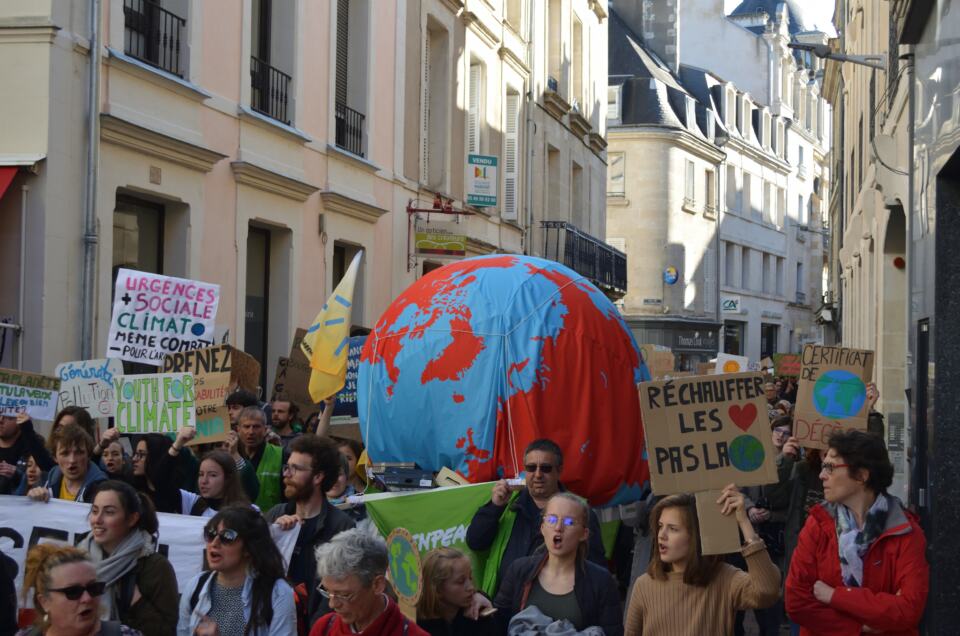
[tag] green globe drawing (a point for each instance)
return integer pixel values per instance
(746, 453)
(839, 394)
(404, 569)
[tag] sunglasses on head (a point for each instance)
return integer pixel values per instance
(546, 469)
(74, 592)
(227, 536)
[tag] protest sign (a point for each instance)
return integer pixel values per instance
(88, 384)
(25, 523)
(660, 360)
(719, 533)
(346, 404)
(154, 315)
(435, 518)
(154, 403)
(705, 368)
(728, 363)
(832, 394)
(786, 365)
(705, 432)
(293, 378)
(30, 393)
(216, 372)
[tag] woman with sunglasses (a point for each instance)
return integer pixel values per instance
(243, 592)
(561, 583)
(860, 563)
(66, 594)
(141, 583)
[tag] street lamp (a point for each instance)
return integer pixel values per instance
(824, 51)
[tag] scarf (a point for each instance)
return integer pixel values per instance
(112, 568)
(854, 542)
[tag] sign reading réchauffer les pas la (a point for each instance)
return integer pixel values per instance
(705, 432)
(832, 394)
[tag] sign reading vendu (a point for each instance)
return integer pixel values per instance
(481, 180)
(88, 384)
(157, 315)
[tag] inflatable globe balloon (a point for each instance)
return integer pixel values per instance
(479, 358)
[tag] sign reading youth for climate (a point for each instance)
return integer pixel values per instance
(156, 315)
(155, 403)
(832, 394)
(706, 432)
(30, 393)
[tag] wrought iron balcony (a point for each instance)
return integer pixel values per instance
(270, 94)
(349, 133)
(603, 265)
(154, 35)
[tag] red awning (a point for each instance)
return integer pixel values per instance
(7, 173)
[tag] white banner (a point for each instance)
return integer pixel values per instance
(25, 523)
(156, 315)
(89, 384)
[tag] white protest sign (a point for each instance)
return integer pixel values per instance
(157, 315)
(727, 363)
(154, 403)
(25, 523)
(89, 384)
(30, 393)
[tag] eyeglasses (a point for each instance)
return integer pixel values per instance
(552, 520)
(227, 535)
(293, 468)
(545, 469)
(827, 467)
(139, 454)
(782, 430)
(74, 592)
(334, 596)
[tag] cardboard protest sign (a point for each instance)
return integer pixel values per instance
(832, 394)
(705, 368)
(88, 384)
(660, 360)
(30, 393)
(346, 404)
(786, 365)
(154, 315)
(215, 376)
(293, 378)
(719, 533)
(154, 403)
(728, 363)
(706, 432)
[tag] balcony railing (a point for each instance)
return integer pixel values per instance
(605, 266)
(270, 94)
(154, 35)
(349, 129)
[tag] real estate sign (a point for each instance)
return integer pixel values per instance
(481, 180)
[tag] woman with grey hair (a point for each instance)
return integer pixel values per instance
(352, 569)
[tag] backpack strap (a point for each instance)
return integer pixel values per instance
(125, 592)
(195, 597)
(199, 507)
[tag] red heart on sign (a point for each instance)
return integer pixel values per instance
(743, 417)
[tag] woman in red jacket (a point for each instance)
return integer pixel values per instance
(859, 565)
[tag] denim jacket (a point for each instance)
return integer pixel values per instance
(284, 621)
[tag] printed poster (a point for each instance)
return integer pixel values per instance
(156, 315)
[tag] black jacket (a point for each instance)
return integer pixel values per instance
(525, 537)
(29, 444)
(594, 586)
(461, 626)
(333, 521)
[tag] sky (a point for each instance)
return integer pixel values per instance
(820, 12)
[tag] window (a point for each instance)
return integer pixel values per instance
(733, 193)
(577, 97)
(155, 32)
(745, 267)
(578, 207)
(350, 99)
(616, 167)
(800, 155)
(475, 108)
(801, 210)
(257, 301)
(514, 14)
(730, 264)
(801, 285)
(779, 280)
(555, 183)
(767, 274)
(767, 202)
(734, 335)
(511, 156)
(434, 103)
(781, 206)
(138, 235)
(748, 207)
(273, 26)
(710, 279)
(730, 110)
(554, 46)
(710, 191)
(613, 102)
(343, 254)
(769, 337)
(765, 130)
(689, 185)
(775, 136)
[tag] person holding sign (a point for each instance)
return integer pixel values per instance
(860, 564)
(685, 591)
(562, 584)
(219, 485)
(18, 441)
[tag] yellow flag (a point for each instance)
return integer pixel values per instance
(328, 339)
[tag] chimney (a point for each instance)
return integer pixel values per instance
(657, 23)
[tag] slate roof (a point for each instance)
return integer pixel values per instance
(796, 21)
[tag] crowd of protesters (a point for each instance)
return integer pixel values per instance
(825, 549)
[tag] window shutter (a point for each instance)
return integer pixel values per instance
(510, 158)
(425, 115)
(343, 26)
(473, 111)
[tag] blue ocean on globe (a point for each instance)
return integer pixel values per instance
(746, 453)
(839, 394)
(403, 568)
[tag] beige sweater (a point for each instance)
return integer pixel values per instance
(673, 608)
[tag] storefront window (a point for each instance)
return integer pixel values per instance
(733, 337)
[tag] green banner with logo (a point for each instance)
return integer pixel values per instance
(436, 518)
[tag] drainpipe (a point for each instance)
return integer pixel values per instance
(531, 151)
(90, 238)
(24, 190)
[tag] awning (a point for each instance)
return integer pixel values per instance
(7, 173)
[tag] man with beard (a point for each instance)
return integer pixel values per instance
(18, 441)
(509, 524)
(311, 470)
(267, 459)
